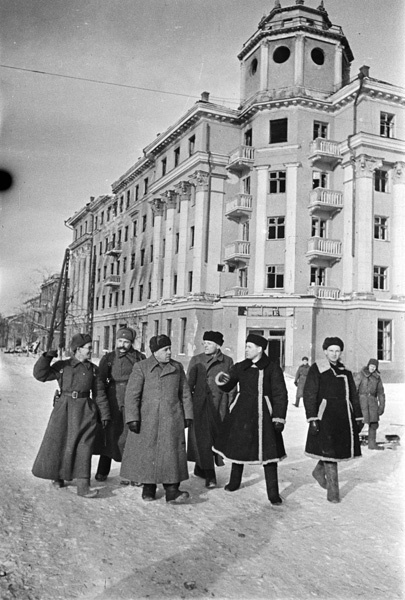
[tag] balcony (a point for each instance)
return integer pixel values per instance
(324, 250)
(241, 159)
(239, 208)
(114, 249)
(237, 253)
(324, 154)
(236, 291)
(113, 280)
(323, 291)
(323, 200)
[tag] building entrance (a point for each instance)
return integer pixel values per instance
(276, 346)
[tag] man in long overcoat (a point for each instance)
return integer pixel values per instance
(372, 399)
(251, 432)
(67, 446)
(158, 408)
(334, 414)
(210, 405)
(300, 378)
(113, 374)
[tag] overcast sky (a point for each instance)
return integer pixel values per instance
(66, 140)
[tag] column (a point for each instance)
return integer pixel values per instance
(260, 227)
(242, 81)
(291, 237)
(200, 180)
(157, 205)
(215, 237)
(338, 67)
(264, 65)
(397, 230)
(169, 248)
(299, 60)
(183, 190)
(347, 285)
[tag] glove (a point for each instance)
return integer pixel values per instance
(104, 424)
(380, 411)
(278, 426)
(360, 425)
(223, 378)
(188, 423)
(134, 426)
(51, 354)
(314, 427)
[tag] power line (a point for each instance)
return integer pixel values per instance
(122, 85)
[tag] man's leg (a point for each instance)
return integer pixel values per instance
(174, 495)
(103, 468)
(270, 473)
(235, 479)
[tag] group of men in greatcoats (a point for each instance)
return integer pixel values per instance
(135, 410)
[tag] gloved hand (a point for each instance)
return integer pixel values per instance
(223, 377)
(314, 427)
(360, 425)
(104, 424)
(51, 354)
(380, 411)
(278, 426)
(134, 426)
(188, 423)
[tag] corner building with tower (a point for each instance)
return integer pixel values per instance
(285, 217)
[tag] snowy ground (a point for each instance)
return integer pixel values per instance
(55, 545)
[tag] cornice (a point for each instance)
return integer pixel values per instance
(372, 142)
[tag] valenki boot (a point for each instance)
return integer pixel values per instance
(270, 473)
(235, 479)
(372, 435)
(319, 474)
(83, 488)
(332, 481)
(174, 495)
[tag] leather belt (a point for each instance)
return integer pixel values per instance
(76, 395)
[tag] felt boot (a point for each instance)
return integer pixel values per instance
(332, 481)
(319, 474)
(58, 483)
(210, 478)
(372, 435)
(149, 492)
(103, 468)
(270, 473)
(235, 479)
(174, 495)
(198, 471)
(83, 488)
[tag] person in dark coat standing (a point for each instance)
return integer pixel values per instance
(66, 449)
(333, 411)
(113, 374)
(252, 431)
(300, 378)
(158, 408)
(210, 405)
(372, 399)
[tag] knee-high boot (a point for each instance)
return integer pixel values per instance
(83, 488)
(235, 479)
(270, 473)
(372, 437)
(103, 468)
(319, 474)
(332, 481)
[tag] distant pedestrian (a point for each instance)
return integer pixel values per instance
(372, 399)
(210, 405)
(251, 432)
(114, 371)
(158, 408)
(300, 378)
(334, 415)
(66, 449)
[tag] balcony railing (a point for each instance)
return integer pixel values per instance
(238, 251)
(325, 200)
(324, 153)
(236, 291)
(241, 158)
(239, 207)
(114, 249)
(330, 250)
(323, 291)
(113, 280)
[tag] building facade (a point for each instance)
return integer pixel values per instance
(285, 217)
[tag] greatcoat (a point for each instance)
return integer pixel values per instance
(247, 434)
(300, 378)
(159, 397)
(371, 393)
(330, 395)
(113, 374)
(67, 446)
(210, 405)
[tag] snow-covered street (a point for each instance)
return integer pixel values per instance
(56, 545)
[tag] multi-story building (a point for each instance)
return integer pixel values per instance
(285, 217)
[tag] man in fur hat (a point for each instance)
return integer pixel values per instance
(114, 371)
(210, 405)
(372, 399)
(66, 449)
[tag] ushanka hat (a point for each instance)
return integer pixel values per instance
(159, 341)
(79, 340)
(373, 361)
(126, 333)
(214, 336)
(258, 340)
(332, 341)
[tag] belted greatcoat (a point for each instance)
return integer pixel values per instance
(159, 397)
(67, 446)
(371, 394)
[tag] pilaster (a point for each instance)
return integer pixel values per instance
(260, 227)
(398, 230)
(183, 190)
(157, 205)
(338, 66)
(169, 247)
(264, 65)
(347, 285)
(291, 236)
(200, 180)
(299, 59)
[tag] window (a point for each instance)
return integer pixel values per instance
(128, 198)
(319, 179)
(151, 253)
(318, 275)
(275, 228)
(143, 335)
(384, 340)
(275, 276)
(381, 228)
(131, 294)
(134, 228)
(191, 145)
(122, 296)
(136, 193)
(318, 56)
(278, 131)
(318, 228)
(144, 220)
(161, 288)
(243, 277)
(142, 257)
(149, 289)
(277, 182)
(381, 180)
(104, 271)
(282, 53)
(145, 186)
(100, 248)
(174, 285)
(140, 292)
(253, 66)
(110, 299)
(102, 301)
(163, 246)
(246, 185)
(190, 281)
(248, 137)
(115, 208)
(192, 235)
(380, 278)
(177, 241)
(122, 204)
(116, 298)
(102, 218)
(106, 337)
(245, 231)
(177, 156)
(126, 233)
(119, 236)
(106, 244)
(118, 267)
(169, 327)
(98, 275)
(156, 327)
(164, 166)
(113, 240)
(97, 302)
(183, 328)
(81, 230)
(95, 223)
(112, 268)
(133, 260)
(108, 213)
(386, 125)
